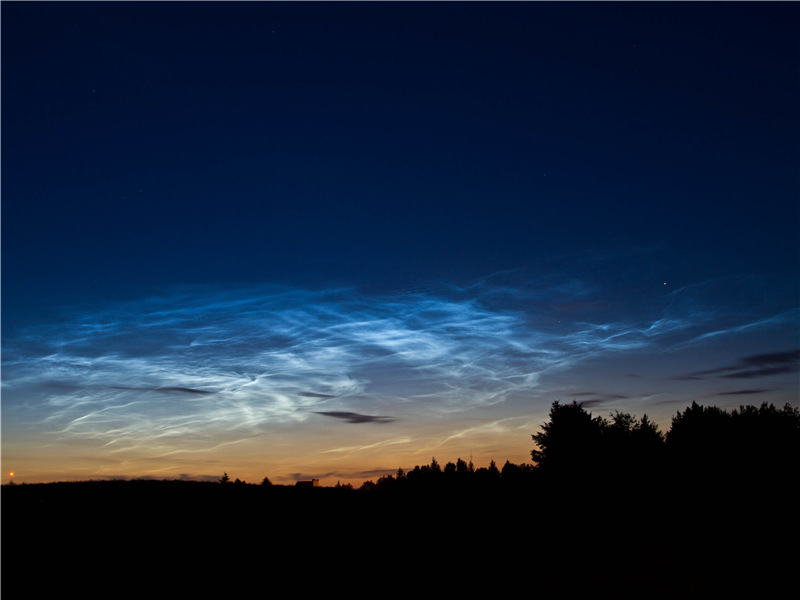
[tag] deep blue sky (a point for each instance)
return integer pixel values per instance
(596, 173)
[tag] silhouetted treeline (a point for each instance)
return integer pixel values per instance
(607, 505)
(456, 476)
(612, 504)
(705, 445)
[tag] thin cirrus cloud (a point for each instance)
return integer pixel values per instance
(187, 365)
(754, 367)
(352, 417)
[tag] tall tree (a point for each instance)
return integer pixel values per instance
(570, 441)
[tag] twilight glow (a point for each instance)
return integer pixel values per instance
(195, 377)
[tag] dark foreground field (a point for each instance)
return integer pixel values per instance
(187, 539)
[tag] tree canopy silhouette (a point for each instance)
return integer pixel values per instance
(703, 441)
(575, 442)
(570, 441)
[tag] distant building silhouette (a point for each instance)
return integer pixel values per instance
(311, 483)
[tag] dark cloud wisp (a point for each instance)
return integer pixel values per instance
(352, 417)
(754, 366)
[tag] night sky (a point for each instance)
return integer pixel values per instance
(333, 240)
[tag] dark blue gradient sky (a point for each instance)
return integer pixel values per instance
(334, 239)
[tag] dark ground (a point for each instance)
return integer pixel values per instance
(164, 539)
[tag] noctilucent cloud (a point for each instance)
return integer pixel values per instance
(334, 240)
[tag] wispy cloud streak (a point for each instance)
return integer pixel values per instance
(352, 417)
(198, 362)
(755, 366)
